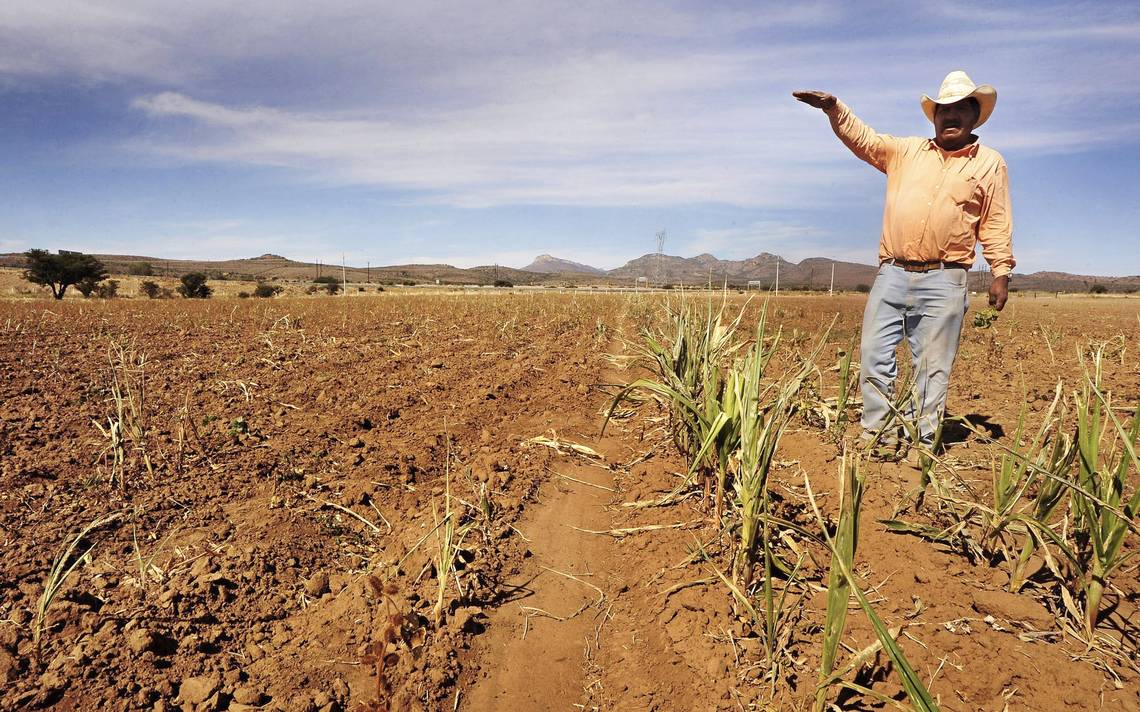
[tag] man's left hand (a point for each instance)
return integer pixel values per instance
(999, 292)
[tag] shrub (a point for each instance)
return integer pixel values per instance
(503, 283)
(62, 270)
(193, 286)
(150, 289)
(380, 289)
(862, 288)
(330, 284)
(243, 295)
(266, 291)
(1098, 289)
(108, 289)
(140, 269)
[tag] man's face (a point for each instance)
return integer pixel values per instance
(953, 123)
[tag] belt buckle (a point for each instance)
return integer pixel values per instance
(920, 267)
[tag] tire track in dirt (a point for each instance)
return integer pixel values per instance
(529, 659)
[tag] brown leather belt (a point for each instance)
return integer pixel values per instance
(913, 266)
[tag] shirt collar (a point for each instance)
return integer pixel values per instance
(971, 150)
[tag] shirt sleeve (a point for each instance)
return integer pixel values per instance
(995, 229)
(874, 148)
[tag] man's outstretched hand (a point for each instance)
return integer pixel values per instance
(999, 292)
(818, 99)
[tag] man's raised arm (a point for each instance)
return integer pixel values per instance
(874, 148)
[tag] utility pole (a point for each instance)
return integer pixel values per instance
(368, 273)
(777, 275)
(831, 289)
(343, 275)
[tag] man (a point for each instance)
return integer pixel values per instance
(944, 195)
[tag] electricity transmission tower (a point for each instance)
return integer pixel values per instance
(660, 252)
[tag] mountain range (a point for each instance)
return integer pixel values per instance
(653, 268)
(548, 264)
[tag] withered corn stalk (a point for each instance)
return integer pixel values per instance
(450, 533)
(916, 691)
(838, 591)
(722, 409)
(687, 366)
(1104, 519)
(66, 562)
(762, 411)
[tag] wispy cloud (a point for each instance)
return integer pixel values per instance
(604, 142)
(653, 104)
(220, 239)
(595, 122)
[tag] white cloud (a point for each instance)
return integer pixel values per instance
(205, 40)
(600, 130)
(215, 239)
(605, 114)
(571, 102)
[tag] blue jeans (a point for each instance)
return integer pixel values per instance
(927, 308)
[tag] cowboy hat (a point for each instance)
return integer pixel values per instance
(958, 86)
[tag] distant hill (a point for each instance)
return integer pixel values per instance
(657, 269)
(268, 266)
(814, 272)
(548, 264)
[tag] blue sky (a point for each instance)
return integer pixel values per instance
(489, 132)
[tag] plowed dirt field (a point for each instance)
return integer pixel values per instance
(276, 484)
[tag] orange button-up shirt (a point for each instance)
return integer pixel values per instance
(940, 204)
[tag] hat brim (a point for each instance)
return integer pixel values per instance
(985, 94)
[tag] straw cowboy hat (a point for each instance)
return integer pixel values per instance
(958, 86)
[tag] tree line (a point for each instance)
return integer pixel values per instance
(89, 276)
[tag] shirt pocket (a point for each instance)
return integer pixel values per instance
(960, 189)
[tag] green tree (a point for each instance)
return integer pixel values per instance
(62, 270)
(87, 286)
(150, 289)
(193, 286)
(1098, 289)
(140, 269)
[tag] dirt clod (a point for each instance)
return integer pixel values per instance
(198, 689)
(1013, 607)
(141, 640)
(317, 584)
(247, 695)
